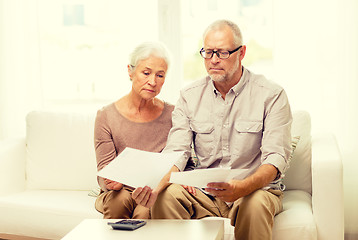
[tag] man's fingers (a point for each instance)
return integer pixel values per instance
(216, 192)
(217, 185)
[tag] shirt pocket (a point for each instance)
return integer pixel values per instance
(248, 127)
(203, 138)
(246, 138)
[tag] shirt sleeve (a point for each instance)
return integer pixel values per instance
(103, 143)
(276, 141)
(180, 136)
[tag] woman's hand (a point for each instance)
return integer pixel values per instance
(190, 189)
(112, 185)
(145, 196)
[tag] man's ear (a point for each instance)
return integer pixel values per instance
(242, 52)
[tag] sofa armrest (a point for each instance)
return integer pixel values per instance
(327, 188)
(12, 166)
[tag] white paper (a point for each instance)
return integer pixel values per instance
(201, 177)
(138, 168)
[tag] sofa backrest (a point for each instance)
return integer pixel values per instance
(60, 151)
(298, 176)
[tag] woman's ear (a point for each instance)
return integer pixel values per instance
(130, 71)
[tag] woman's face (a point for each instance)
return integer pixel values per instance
(148, 77)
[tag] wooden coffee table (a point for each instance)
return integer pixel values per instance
(98, 229)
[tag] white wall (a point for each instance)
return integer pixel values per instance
(169, 33)
(20, 88)
(316, 60)
(1, 68)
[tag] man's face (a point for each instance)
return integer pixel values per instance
(222, 69)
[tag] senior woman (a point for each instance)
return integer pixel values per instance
(138, 120)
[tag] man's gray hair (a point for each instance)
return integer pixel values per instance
(233, 26)
(147, 49)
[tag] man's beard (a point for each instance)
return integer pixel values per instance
(218, 77)
(227, 76)
(223, 77)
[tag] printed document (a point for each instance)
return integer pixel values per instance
(201, 177)
(137, 168)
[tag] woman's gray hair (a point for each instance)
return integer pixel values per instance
(147, 49)
(234, 28)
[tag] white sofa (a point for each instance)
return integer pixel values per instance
(46, 180)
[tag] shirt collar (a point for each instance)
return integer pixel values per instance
(240, 85)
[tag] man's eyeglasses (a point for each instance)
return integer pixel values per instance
(220, 53)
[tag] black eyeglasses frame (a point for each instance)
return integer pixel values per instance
(202, 50)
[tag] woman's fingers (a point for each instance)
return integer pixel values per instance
(142, 195)
(190, 189)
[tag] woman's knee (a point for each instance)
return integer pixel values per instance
(118, 204)
(116, 198)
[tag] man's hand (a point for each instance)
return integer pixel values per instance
(226, 191)
(112, 185)
(145, 196)
(235, 189)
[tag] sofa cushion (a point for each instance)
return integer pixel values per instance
(296, 221)
(60, 151)
(298, 175)
(294, 143)
(45, 213)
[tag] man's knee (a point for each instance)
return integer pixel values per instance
(257, 205)
(253, 215)
(256, 200)
(173, 191)
(168, 203)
